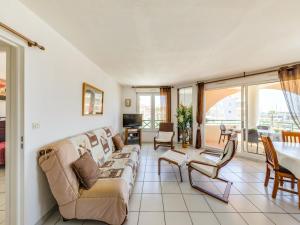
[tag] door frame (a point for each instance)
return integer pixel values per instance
(14, 168)
(242, 96)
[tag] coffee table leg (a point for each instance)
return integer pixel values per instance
(180, 172)
(159, 166)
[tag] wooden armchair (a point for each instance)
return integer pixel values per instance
(210, 164)
(165, 136)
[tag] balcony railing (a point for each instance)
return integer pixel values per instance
(218, 122)
(147, 124)
(274, 125)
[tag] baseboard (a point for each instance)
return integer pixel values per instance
(47, 215)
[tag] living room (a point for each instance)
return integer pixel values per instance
(179, 108)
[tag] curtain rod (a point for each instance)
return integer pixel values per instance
(30, 42)
(152, 87)
(270, 70)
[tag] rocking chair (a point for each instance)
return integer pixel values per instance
(209, 164)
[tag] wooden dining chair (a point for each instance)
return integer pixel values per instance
(290, 136)
(281, 173)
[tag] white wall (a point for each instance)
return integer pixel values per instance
(53, 84)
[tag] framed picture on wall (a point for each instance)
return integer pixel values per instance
(2, 89)
(127, 102)
(92, 100)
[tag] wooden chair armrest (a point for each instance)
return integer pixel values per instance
(210, 153)
(178, 151)
(202, 163)
(173, 136)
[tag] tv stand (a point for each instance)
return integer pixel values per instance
(133, 136)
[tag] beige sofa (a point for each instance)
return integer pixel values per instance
(107, 200)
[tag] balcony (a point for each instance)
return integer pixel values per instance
(147, 124)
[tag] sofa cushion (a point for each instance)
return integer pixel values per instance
(95, 148)
(117, 140)
(105, 143)
(106, 201)
(86, 170)
(122, 164)
(81, 143)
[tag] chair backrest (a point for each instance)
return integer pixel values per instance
(253, 135)
(271, 155)
(262, 127)
(289, 136)
(166, 127)
(229, 150)
(222, 128)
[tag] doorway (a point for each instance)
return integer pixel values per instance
(4, 71)
(267, 114)
(251, 109)
(11, 133)
(223, 115)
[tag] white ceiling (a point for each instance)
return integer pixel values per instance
(162, 42)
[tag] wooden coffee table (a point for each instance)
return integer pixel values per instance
(174, 157)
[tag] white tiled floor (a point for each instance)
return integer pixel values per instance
(164, 200)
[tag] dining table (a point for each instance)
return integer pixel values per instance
(288, 155)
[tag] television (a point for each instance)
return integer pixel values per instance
(132, 120)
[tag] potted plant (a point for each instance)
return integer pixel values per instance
(184, 122)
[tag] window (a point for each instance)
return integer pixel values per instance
(185, 96)
(227, 110)
(153, 108)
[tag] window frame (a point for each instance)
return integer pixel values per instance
(152, 94)
(178, 102)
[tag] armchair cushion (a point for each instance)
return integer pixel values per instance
(163, 136)
(201, 164)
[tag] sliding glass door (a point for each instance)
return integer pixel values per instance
(223, 115)
(251, 110)
(267, 114)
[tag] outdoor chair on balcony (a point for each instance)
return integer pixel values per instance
(165, 136)
(210, 165)
(263, 127)
(224, 133)
(253, 138)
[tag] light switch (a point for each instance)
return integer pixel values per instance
(35, 125)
